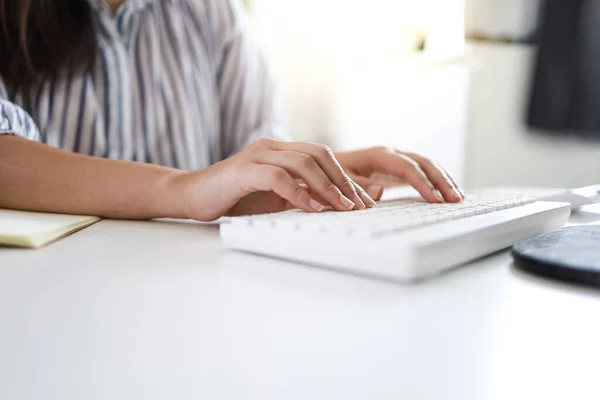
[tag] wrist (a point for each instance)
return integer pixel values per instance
(203, 195)
(169, 194)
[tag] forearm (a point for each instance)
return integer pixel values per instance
(37, 177)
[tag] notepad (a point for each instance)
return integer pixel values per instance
(33, 229)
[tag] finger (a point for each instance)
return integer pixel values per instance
(306, 167)
(448, 176)
(432, 169)
(404, 167)
(372, 187)
(439, 177)
(364, 196)
(289, 206)
(278, 180)
(445, 171)
(315, 196)
(328, 163)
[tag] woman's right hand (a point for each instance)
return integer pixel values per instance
(302, 175)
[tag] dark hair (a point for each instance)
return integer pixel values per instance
(38, 38)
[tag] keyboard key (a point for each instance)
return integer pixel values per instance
(384, 218)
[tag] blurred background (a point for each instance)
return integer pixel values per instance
(450, 79)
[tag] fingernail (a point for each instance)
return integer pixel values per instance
(347, 202)
(369, 202)
(438, 196)
(360, 204)
(315, 205)
(375, 191)
(457, 193)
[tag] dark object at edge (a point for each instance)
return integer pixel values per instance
(565, 92)
(569, 254)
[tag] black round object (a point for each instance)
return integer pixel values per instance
(569, 254)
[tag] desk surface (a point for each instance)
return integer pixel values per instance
(160, 310)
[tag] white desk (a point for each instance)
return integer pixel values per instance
(155, 310)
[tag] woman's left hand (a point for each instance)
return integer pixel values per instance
(367, 168)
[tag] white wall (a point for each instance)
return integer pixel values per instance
(310, 43)
(501, 17)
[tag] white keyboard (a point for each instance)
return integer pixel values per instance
(404, 240)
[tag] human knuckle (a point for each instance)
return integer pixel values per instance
(263, 142)
(382, 149)
(429, 161)
(278, 175)
(324, 151)
(347, 184)
(412, 164)
(306, 161)
(298, 193)
(331, 187)
(255, 149)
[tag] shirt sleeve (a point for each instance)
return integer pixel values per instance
(14, 120)
(248, 103)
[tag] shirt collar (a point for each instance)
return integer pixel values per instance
(131, 5)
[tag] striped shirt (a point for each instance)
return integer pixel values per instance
(178, 83)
